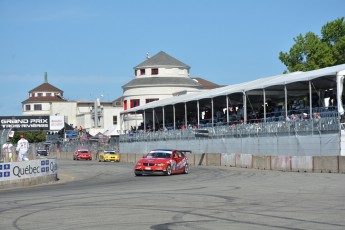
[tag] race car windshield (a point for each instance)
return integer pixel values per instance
(159, 155)
(109, 152)
(83, 151)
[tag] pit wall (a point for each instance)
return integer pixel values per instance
(27, 173)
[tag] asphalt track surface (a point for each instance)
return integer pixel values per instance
(95, 195)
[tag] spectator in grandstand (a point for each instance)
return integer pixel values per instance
(316, 117)
(219, 115)
(22, 148)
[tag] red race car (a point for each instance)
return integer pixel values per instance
(163, 161)
(82, 153)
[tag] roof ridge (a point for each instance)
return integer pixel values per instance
(162, 59)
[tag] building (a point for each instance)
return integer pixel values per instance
(159, 77)
(94, 117)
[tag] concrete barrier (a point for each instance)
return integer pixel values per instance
(200, 159)
(244, 160)
(213, 159)
(281, 163)
(138, 156)
(302, 164)
(123, 157)
(131, 158)
(341, 162)
(262, 162)
(326, 164)
(228, 159)
(191, 158)
(318, 164)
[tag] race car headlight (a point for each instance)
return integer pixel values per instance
(160, 164)
(138, 164)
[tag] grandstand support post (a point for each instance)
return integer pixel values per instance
(227, 109)
(153, 120)
(174, 117)
(340, 83)
(163, 111)
(286, 102)
(311, 108)
(264, 93)
(212, 109)
(185, 115)
(144, 121)
(198, 109)
(244, 108)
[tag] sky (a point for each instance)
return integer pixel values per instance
(90, 47)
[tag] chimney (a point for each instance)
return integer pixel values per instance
(45, 77)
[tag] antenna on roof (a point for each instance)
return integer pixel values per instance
(45, 77)
(147, 55)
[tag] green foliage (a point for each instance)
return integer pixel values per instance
(311, 52)
(31, 136)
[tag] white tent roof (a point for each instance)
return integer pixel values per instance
(115, 131)
(261, 83)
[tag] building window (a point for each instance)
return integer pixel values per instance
(135, 103)
(27, 107)
(151, 100)
(37, 107)
(125, 105)
(114, 120)
(48, 94)
(154, 71)
(39, 94)
(142, 71)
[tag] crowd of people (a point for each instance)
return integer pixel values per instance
(298, 110)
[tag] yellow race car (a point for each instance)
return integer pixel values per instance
(108, 155)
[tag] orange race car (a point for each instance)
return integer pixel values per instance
(163, 161)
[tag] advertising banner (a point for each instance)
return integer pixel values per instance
(56, 122)
(27, 169)
(27, 123)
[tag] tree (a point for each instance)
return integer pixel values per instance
(311, 52)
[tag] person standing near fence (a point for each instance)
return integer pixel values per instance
(7, 150)
(22, 148)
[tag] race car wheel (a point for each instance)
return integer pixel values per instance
(168, 171)
(138, 174)
(186, 169)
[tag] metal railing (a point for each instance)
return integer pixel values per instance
(280, 127)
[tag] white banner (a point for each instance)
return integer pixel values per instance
(57, 122)
(27, 169)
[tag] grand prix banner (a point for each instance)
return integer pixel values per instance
(26, 123)
(27, 169)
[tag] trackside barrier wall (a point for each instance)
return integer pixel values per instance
(301, 163)
(320, 164)
(341, 163)
(262, 162)
(244, 160)
(326, 164)
(281, 163)
(26, 173)
(228, 159)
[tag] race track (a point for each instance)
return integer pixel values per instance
(94, 195)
